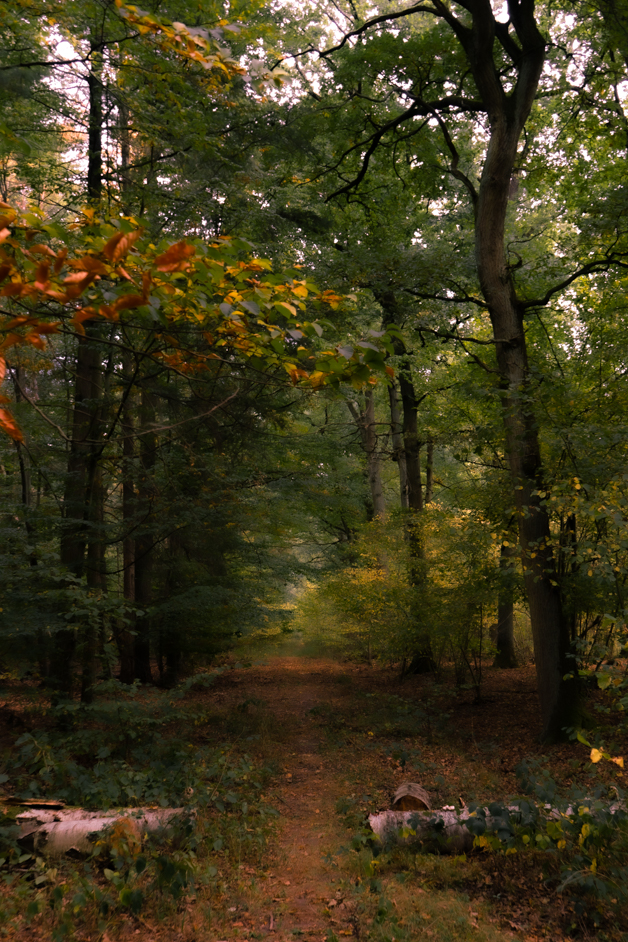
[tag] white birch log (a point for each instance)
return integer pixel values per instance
(75, 831)
(405, 827)
(447, 829)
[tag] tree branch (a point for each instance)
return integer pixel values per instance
(589, 269)
(374, 139)
(384, 18)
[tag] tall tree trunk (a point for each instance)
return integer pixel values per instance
(365, 420)
(398, 452)
(409, 403)
(170, 648)
(76, 499)
(96, 564)
(429, 472)
(144, 543)
(77, 496)
(125, 155)
(505, 637)
(422, 661)
(27, 499)
(96, 577)
(411, 441)
(125, 633)
(94, 132)
(507, 117)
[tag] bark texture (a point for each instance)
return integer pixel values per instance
(505, 629)
(507, 115)
(74, 831)
(145, 543)
(365, 421)
(398, 450)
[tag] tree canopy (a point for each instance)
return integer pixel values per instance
(313, 311)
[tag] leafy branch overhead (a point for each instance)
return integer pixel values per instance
(198, 301)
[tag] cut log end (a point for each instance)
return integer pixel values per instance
(411, 797)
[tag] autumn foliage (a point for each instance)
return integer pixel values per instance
(200, 300)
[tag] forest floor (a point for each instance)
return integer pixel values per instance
(339, 738)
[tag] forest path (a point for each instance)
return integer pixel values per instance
(301, 895)
(340, 738)
(332, 731)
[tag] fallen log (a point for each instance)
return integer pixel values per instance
(74, 831)
(446, 828)
(454, 832)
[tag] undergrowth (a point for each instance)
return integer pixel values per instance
(574, 840)
(132, 749)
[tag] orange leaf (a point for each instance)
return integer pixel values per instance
(4, 234)
(36, 340)
(390, 371)
(5, 271)
(42, 274)
(296, 373)
(119, 244)
(60, 259)
(81, 282)
(41, 249)
(86, 314)
(47, 328)
(175, 258)
(15, 288)
(76, 277)
(61, 296)
(128, 301)
(15, 322)
(124, 273)
(88, 263)
(10, 340)
(3, 370)
(7, 424)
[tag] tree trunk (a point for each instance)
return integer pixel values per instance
(505, 638)
(372, 457)
(27, 494)
(409, 403)
(170, 649)
(76, 498)
(96, 580)
(94, 133)
(125, 634)
(411, 442)
(398, 454)
(365, 420)
(507, 117)
(144, 543)
(429, 472)
(96, 567)
(125, 155)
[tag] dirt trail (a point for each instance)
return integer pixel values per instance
(330, 742)
(302, 895)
